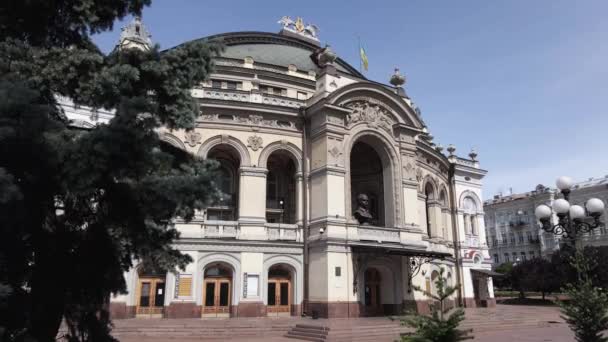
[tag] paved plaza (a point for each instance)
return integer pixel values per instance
(503, 323)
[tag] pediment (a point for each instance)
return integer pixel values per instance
(375, 104)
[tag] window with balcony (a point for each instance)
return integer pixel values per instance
(506, 257)
(225, 207)
(271, 90)
(281, 188)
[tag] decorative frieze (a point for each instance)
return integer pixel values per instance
(373, 114)
(250, 120)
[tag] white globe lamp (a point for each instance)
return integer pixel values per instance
(564, 183)
(577, 212)
(542, 212)
(561, 206)
(595, 206)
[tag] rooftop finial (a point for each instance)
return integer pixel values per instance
(473, 154)
(397, 79)
(451, 149)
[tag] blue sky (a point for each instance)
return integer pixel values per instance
(524, 82)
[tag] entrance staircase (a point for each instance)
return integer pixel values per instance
(308, 332)
(377, 329)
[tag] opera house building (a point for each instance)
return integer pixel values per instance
(335, 200)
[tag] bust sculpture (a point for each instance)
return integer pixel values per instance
(362, 213)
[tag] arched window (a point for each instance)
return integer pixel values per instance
(225, 208)
(444, 213)
(428, 191)
(281, 188)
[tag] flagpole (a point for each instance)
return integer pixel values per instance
(359, 54)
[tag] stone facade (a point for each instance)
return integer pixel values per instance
(513, 232)
(297, 142)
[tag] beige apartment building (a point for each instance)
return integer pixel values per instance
(513, 232)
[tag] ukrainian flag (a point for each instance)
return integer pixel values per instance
(364, 60)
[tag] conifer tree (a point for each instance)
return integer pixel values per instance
(441, 325)
(586, 310)
(77, 207)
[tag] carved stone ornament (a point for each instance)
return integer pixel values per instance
(410, 171)
(252, 120)
(418, 174)
(255, 142)
(192, 138)
(298, 26)
(372, 114)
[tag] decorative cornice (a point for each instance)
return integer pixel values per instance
(253, 171)
(327, 170)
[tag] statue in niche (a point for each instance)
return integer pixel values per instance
(362, 213)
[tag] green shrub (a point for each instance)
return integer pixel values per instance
(441, 325)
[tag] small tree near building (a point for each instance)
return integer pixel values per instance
(441, 325)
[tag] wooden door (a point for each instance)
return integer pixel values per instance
(279, 297)
(373, 303)
(216, 297)
(150, 297)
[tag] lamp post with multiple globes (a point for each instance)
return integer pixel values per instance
(571, 219)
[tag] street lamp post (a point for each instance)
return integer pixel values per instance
(571, 218)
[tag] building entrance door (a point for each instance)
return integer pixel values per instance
(151, 297)
(216, 297)
(279, 297)
(373, 304)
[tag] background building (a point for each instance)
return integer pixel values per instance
(514, 232)
(300, 135)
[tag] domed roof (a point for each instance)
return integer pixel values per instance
(275, 49)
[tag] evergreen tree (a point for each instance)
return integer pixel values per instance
(77, 207)
(441, 325)
(586, 311)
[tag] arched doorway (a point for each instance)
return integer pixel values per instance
(225, 208)
(150, 291)
(281, 188)
(372, 292)
(280, 290)
(217, 291)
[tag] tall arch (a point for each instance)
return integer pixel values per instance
(383, 146)
(292, 149)
(203, 151)
(172, 139)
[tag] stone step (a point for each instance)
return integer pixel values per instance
(310, 331)
(313, 327)
(307, 335)
(305, 338)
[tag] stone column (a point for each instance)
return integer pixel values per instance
(298, 195)
(252, 203)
